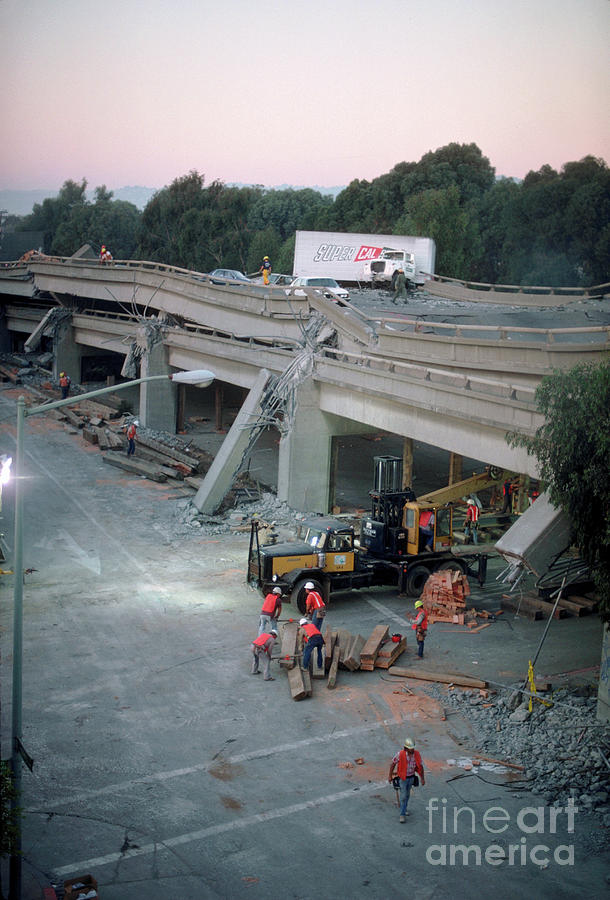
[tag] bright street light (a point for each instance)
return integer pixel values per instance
(201, 378)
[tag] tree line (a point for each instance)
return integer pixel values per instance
(552, 228)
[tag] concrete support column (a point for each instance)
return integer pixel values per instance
(158, 400)
(603, 693)
(407, 463)
(456, 468)
(67, 354)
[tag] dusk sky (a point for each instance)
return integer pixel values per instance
(317, 93)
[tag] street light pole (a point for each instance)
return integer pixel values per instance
(201, 378)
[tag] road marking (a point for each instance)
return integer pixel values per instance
(387, 612)
(231, 760)
(214, 830)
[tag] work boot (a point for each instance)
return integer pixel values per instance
(269, 679)
(403, 819)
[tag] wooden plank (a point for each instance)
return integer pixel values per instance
(481, 627)
(89, 435)
(384, 662)
(523, 608)
(307, 682)
(194, 483)
(93, 408)
(330, 639)
(334, 665)
(318, 671)
(452, 678)
(577, 609)
(134, 468)
(344, 639)
(372, 646)
(352, 660)
(179, 455)
(298, 690)
(289, 645)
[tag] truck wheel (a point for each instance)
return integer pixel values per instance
(299, 593)
(416, 579)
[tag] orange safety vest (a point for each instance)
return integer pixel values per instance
(64, 381)
(402, 764)
(314, 601)
(423, 625)
(310, 631)
(131, 432)
(472, 513)
(261, 641)
(270, 604)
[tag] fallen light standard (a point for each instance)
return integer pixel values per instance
(200, 378)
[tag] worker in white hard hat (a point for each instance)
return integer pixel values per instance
(271, 611)
(132, 430)
(261, 650)
(313, 639)
(472, 521)
(314, 605)
(265, 269)
(420, 626)
(409, 769)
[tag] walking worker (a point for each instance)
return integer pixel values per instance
(472, 521)
(261, 650)
(271, 611)
(400, 287)
(265, 269)
(314, 606)
(313, 639)
(420, 627)
(410, 771)
(64, 383)
(132, 430)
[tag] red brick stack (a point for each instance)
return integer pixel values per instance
(444, 596)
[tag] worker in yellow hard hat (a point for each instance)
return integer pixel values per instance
(420, 627)
(64, 383)
(265, 269)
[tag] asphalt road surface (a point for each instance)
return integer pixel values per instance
(165, 770)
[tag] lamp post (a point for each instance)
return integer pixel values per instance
(200, 378)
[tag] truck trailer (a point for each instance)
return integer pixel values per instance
(351, 257)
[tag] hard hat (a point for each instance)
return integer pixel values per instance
(277, 591)
(136, 422)
(309, 586)
(61, 374)
(409, 745)
(273, 631)
(265, 257)
(418, 603)
(303, 622)
(470, 502)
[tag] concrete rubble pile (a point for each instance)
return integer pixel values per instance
(564, 750)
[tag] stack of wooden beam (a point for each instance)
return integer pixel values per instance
(342, 650)
(444, 596)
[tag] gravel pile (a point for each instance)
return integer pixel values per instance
(561, 747)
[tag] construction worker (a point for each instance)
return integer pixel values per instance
(313, 638)
(314, 606)
(64, 383)
(420, 627)
(265, 269)
(472, 521)
(410, 771)
(271, 611)
(132, 430)
(426, 528)
(400, 287)
(261, 649)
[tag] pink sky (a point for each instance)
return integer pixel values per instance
(135, 92)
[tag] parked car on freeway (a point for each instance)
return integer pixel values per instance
(276, 278)
(227, 275)
(329, 285)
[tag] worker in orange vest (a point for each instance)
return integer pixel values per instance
(472, 521)
(313, 638)
(410, 771)
(64, 383)
(271, 611)
(314, 605)
(261, 649)
(132, 430)
(420, 627)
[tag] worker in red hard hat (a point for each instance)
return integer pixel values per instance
(420, 626)
(271, 611)
(315, 607)
(261, 650)
(407, 764)
(265, 269)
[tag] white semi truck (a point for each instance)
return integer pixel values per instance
(368, 258)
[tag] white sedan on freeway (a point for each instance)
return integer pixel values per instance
(332, 290)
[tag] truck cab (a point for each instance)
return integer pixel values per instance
(385, 268)
(427, 524)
